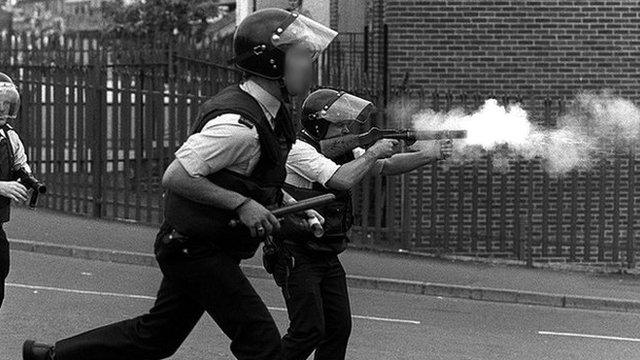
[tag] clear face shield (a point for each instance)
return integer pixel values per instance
(9, 102)
(302, 30)
(347, 108)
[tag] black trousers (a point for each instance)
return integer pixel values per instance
(4, 261)
(318, 307)
(197, 279)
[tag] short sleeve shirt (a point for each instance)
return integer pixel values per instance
(226, 143)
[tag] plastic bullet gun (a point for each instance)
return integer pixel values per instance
(338, 146)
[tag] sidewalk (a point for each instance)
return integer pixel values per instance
(493, 282)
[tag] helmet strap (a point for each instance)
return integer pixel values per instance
(286, 97)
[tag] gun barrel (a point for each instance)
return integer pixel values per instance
(440, 134)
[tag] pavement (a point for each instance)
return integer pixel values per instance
(54, 233)
(50, 298)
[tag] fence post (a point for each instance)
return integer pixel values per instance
(526, 246)
(385, 63)
(631, 262)
(99, 120)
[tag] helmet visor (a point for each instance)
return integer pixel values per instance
(9, 101)
(315, 36)
(348, 108)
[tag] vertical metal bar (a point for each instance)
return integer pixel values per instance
(559, 216)
(365, 56)
(148, 151)
(64, 155)
(602, 223)
(587, 216)
(73, 137)
(379, 204)
(616, 208)
(114, 142)
(99, 118)
(631, 263)
(517, 245)
(474, 206)
(447, 208)
(420, 185)
(530, 210)
(126, 123)
(48, 122)
(385, 63)
(173, 99)
(489, 205)
(139, 119)
(503, 212)
(461, 193)
(574, 215)
(83, 137)
(545, 214)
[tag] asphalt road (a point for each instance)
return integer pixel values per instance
(52, 297)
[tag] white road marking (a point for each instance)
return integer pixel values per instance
(602, 337)
(84, 292)
(130, 296)
(364, 317)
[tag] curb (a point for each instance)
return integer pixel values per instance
(601, 268)
(360, 282)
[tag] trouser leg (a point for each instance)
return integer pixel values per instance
(305, 308)
(4, 262)
(222, 289)
(155, 335)
(337, 313)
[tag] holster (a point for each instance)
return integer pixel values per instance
(279, 262)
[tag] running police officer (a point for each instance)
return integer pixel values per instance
(232, 166)
(12, 157)
(316, 292)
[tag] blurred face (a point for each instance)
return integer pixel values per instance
(298, 70)
(293, 4)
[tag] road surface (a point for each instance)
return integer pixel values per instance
(51, 297)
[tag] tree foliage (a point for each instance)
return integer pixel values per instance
(159, 16)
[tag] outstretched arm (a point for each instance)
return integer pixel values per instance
(405, 162)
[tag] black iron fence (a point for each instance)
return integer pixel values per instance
(101, 120)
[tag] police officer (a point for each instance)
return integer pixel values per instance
(316, 293)
(232, 166)
(12, 157)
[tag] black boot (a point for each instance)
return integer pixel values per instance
(32, 350)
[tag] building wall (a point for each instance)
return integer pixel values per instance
(351, 16)
(319, 9)
(536, 47)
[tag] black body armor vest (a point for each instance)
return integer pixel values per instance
(264, 185)
(338, 215)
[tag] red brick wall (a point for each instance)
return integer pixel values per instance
(528, 47)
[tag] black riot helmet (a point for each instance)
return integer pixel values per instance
(261, 39)
(326, 106)
(9, 99)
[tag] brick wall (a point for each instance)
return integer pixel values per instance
(535, 47)
(473, 208)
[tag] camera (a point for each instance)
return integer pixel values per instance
(30, 182)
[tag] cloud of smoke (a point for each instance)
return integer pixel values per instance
(594, 122)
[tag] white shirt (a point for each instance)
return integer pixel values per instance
(305, 165)
(224, 143)
(19, 155)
